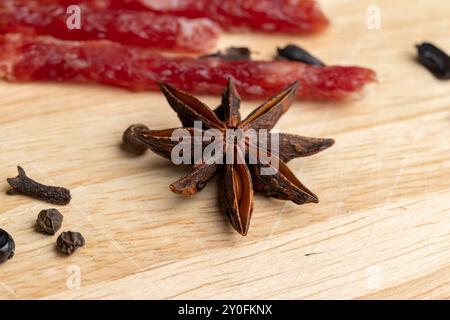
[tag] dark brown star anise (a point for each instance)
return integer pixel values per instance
(240, 177)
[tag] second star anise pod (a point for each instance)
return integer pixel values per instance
(245, 174)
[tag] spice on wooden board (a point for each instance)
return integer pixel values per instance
(69, 241)
(49, 221)
(7, 246)
(25, 186)
(244, 175)
(294, 53)
(130, 140)
(434, 59)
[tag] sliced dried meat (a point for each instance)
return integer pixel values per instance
(144, 29)
(47, 59)
(287, 16)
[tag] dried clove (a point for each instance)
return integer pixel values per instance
(69, 241)
(49, 221)
(295, 53)
(25, 186)
(434, 59)
(130, 140)
(232, 54)
(7, 246)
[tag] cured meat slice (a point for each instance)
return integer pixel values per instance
(145, 29)
(44, 58)
(288, 16)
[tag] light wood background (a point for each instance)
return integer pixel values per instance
(381, 230)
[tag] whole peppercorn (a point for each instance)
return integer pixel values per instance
(69, 241)
(131, 141)
(49, 221)
(7, 246)
(295, 53)
(435, 60)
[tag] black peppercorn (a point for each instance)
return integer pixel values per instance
(131, 142)
(69, 241)
(295, 53)
(232, 54)
(7, 246)
(435, 60)
(49, 221)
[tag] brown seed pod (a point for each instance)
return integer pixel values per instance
(130, 140)
(69, 241)
(49, 221)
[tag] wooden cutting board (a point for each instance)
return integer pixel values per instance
(381, 229)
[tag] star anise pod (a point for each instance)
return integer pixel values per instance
(244, 174)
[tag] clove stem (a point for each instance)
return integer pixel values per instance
(25, 186)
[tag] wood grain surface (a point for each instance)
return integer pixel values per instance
(381, 229)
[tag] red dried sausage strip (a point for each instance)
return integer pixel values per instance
(144, 29)
(288, 16)
(46, 59)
